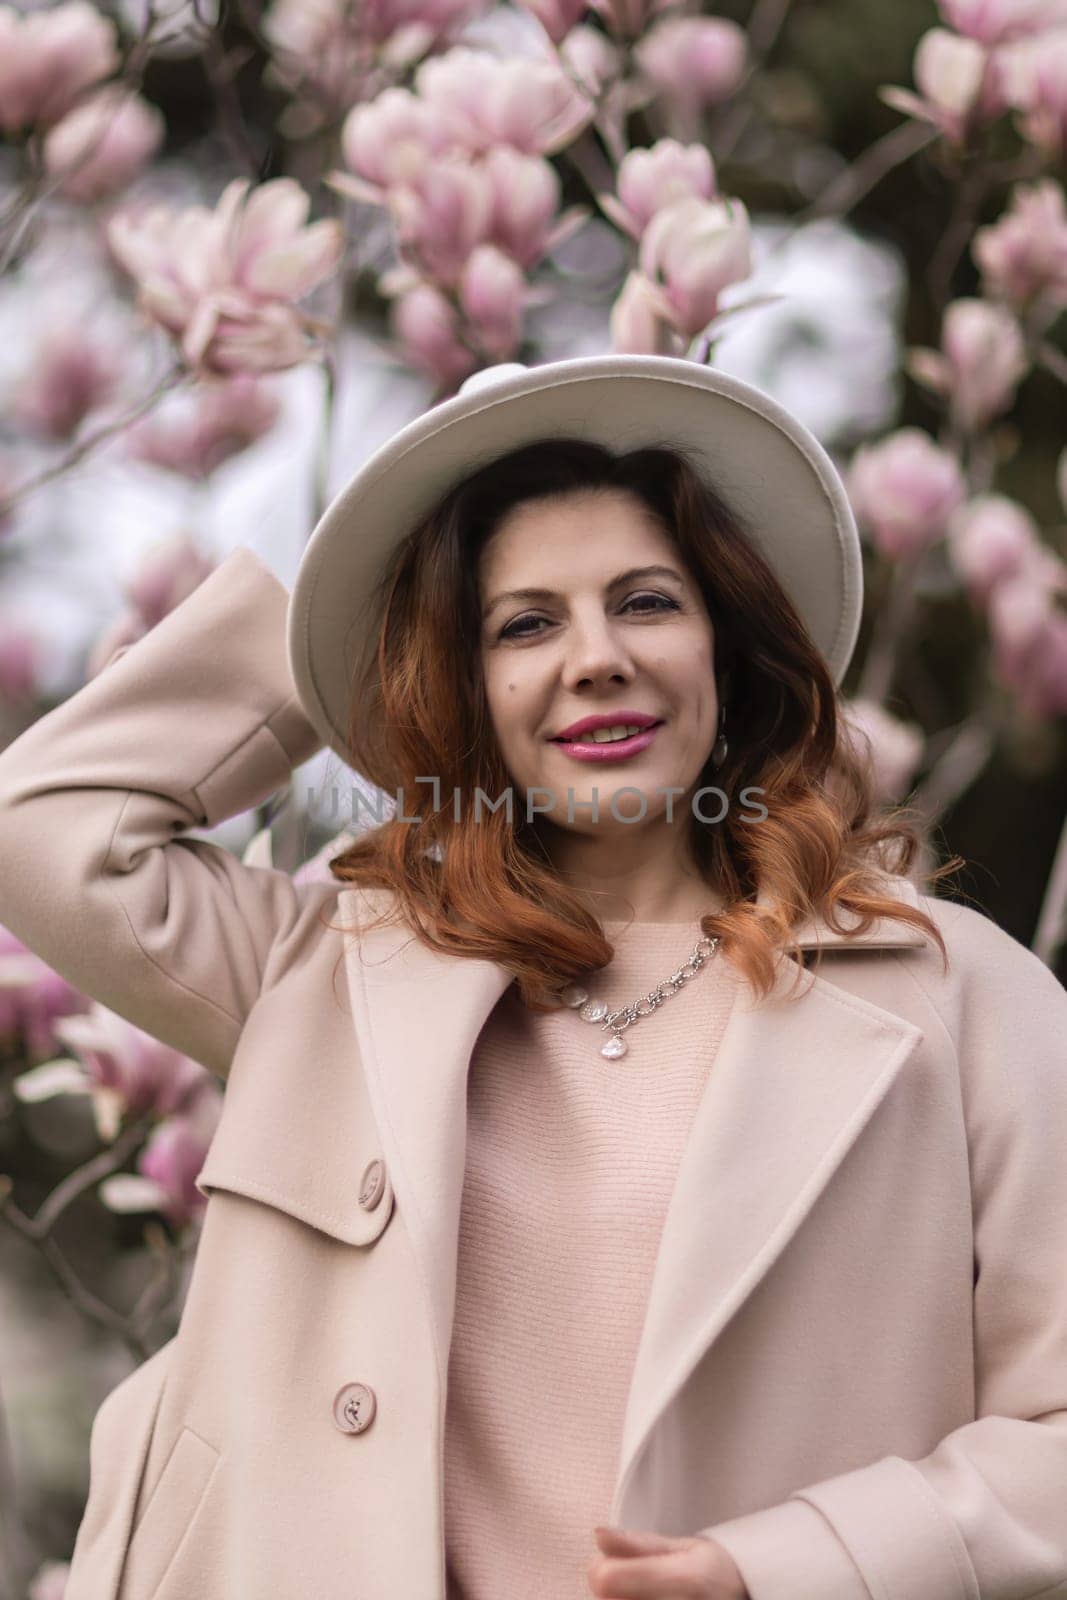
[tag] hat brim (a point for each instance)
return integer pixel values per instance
(768, 466)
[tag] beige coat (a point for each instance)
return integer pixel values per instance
(864, 1264)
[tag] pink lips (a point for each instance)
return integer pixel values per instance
(614, 750)
(625, 716)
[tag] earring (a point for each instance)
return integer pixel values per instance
(718, 754)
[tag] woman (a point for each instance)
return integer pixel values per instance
(772, 1280)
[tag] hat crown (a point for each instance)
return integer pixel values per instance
(491, 375)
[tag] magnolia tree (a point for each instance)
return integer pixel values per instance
(436, 169)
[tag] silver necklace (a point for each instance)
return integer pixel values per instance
(614, 1022)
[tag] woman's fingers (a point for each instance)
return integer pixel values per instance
(648, 1566)
(627, 1541)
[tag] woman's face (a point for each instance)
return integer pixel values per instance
(598, 639)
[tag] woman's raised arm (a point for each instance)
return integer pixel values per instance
(194, 723)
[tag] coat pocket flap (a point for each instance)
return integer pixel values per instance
(336, 1210)
(297, 1129)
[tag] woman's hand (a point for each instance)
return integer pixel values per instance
(650, 1566)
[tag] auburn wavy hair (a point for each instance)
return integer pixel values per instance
(484, 886)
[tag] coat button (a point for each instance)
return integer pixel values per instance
(354, 1407)
(373, 1186)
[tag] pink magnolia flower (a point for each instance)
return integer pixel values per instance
(959, 78)
(33, 997)
(691, 251)
(892, 748)
(992, 539)
(961, 84)
(1035, 74)
(103, 144)
(316, 52)
(203, 430)
(487, 100)
(128, 1071)
(389, 141)
(695, 61)
(1029, 634)
(174, 1154)
(322, 48)
(589, 55)
(48, 59)
(435, 20)
(649, 180)
(526, 223)
(428, 330)
(166, 574)
(441, 216)
(480, 321)
(904, 489)
(224, 282)
(638, 326)
(71, 375)
(492, 293)
(995, 21)
(413, 156)
(557, 17)
(169, 572)
(982, 358)
(1023, 256)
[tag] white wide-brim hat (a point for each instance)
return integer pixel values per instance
(766, 464)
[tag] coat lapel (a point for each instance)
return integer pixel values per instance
(789, 1091)
(793, 1084)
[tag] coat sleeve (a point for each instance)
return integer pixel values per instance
(984, 1515)
(196, 722)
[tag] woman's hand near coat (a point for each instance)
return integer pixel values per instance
(651, 1566)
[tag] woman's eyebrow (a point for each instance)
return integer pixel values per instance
(629, 576)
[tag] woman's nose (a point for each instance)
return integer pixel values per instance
(593, 651)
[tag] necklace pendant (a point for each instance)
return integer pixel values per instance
(593, 1011)
(574, 995)
(614, 1048)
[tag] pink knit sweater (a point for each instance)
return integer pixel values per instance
(571, 1160)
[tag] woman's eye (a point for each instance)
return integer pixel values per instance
(672, 605)
(520, 629)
